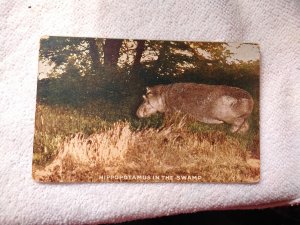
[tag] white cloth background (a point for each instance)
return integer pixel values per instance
(275, 25)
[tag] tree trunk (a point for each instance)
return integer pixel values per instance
(94, 53)
(111, 51)
(139, 52)
(162, 53)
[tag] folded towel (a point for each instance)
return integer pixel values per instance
(275, 25)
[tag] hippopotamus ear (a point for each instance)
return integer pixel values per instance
(148, 90)
(144, 97)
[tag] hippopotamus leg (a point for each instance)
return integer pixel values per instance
(237, 124)
(244, 128)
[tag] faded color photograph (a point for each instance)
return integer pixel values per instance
(114, 110)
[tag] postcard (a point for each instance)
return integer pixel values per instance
(127, 110)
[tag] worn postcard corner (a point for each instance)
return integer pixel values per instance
(112, 110)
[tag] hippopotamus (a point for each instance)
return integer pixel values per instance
(211, 104)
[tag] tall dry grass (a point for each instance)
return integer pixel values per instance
(171, 150)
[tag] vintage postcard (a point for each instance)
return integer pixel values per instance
(112, 110)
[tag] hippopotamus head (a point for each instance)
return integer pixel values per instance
(153, 103)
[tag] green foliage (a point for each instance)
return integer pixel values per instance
(63, 51)
(155, 121)
(58, 49)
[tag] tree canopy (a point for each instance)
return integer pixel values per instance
(117, 67)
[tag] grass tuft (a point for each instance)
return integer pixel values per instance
(176, 148)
